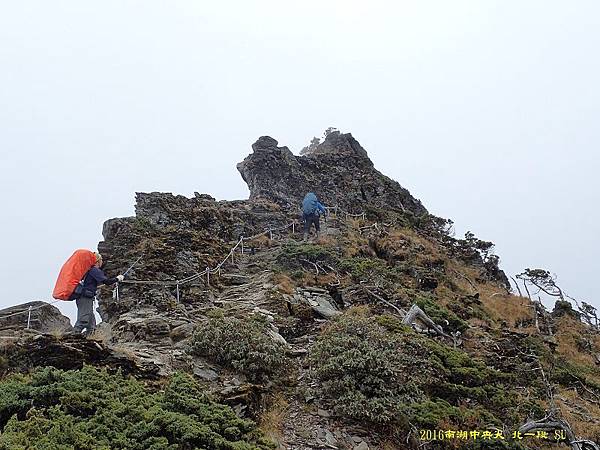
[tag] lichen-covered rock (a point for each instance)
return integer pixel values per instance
(338, 170)
(70, 352)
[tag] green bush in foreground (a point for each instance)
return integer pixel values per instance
(243, 344)
(374, 368)
(91, 409)
(368, 372)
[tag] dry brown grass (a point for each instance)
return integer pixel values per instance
(261, 241)
(56, 332)
(578, 413)
(568, 331)
(125, 351)
(311, 279)
(325, 240)
(354, 222)
(102, 334)
(284, 283)
(500, 305)
(354, 245)
(506, 307)
(359, 311)
(7, 342)
(429, 248)
(271, 421)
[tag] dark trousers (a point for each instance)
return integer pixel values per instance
(310, 219)
(85, 315)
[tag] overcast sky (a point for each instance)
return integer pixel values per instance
(488, 111)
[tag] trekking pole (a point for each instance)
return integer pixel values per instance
(131, 267)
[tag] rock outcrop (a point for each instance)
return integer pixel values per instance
(44, 318)
(338, 170)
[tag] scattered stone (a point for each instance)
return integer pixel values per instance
(206, 374)
(323, 307)
(296, 352)
(330, 439)
(182, 332)
(323, 413)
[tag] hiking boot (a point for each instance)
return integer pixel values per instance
(72, 333)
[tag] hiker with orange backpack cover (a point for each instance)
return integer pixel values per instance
(78, 280)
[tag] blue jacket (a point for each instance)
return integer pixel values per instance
(92, 279)
(310, 205)
(321, 208)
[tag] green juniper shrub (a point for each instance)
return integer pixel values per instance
(367, 372)
(429, 413)
(464, 377)
(375, 369)
(242, 344)
(92, 409)
(440, 314)
(367, 268)
(391, 323)
(291, 255)
(567, 373)
(297, 274)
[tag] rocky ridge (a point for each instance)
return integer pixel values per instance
(311, 340)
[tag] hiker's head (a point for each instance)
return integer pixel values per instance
(98, 259)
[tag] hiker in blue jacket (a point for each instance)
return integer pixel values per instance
(311, 210)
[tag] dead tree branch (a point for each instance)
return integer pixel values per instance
(383, 300)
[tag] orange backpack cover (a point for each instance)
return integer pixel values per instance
(72, 272)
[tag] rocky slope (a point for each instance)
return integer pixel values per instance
(379, 335)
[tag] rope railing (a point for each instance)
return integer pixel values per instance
(347, 214)
(29, 311)
(205, 273)
(231, 254)
(208, 271)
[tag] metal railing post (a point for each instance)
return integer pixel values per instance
(29, 317)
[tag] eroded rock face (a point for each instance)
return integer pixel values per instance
(70, 353)
(45, 318)
(338, 170)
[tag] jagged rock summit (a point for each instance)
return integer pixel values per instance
(338, 170)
